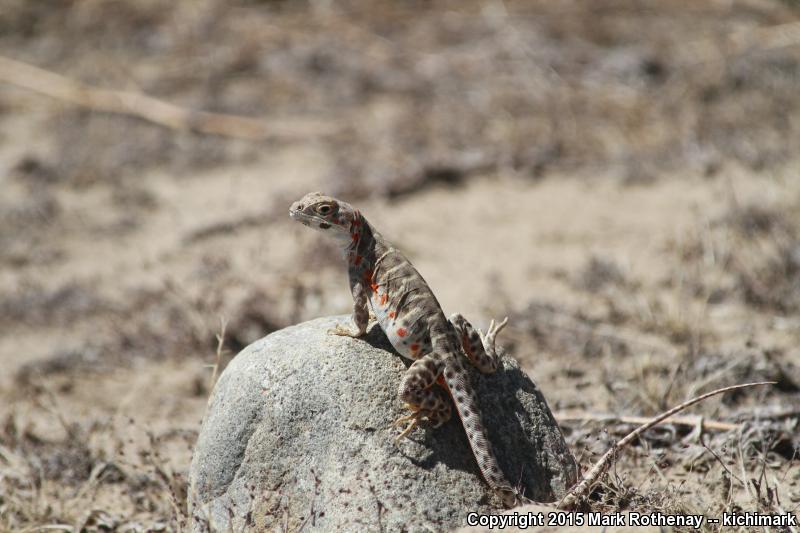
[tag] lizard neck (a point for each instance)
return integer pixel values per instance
(363, 238)
(358, 227)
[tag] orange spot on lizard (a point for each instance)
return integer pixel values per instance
(384, 298)
(401, 332)
(368, 279)
(392, 314)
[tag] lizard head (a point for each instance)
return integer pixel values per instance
(325, 213)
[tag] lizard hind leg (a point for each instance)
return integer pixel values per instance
(479, 348)
(427, 403)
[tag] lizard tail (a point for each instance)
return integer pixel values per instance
(457, 384)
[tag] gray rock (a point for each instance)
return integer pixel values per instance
(298, 436)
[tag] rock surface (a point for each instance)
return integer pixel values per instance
(297, 434)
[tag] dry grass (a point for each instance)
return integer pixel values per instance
(94, 477)
(739, 259)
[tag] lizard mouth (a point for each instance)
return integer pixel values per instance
(306, 219)
(299, 216)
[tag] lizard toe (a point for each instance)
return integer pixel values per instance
(343, 331)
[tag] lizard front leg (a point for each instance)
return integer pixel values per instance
(480, 348)
(426, 402)
(360, 312)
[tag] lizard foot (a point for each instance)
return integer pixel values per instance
(491, 335)
(510, 497)
(346, 332)
(414, 418)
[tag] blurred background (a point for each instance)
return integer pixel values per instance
(618, 177)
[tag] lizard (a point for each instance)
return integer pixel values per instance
(406, 309)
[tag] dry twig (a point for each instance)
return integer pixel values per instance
(220, 349)
(692, 421)
(154, 110)
(581, 490)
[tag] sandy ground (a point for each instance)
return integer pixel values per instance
(619, 179)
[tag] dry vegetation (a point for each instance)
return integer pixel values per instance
(621, 177)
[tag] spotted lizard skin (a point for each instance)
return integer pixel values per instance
(408, 312)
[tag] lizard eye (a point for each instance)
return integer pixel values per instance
(324, 209)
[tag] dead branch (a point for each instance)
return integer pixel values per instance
(581, 490)
(223, 323)
(692, 421)
(154, 110)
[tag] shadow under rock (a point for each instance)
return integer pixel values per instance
(524, 434)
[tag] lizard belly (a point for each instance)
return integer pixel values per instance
(410, 340)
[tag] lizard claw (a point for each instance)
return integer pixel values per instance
(414, 418)
(491, 334)
(414, 423)
(495, 329)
